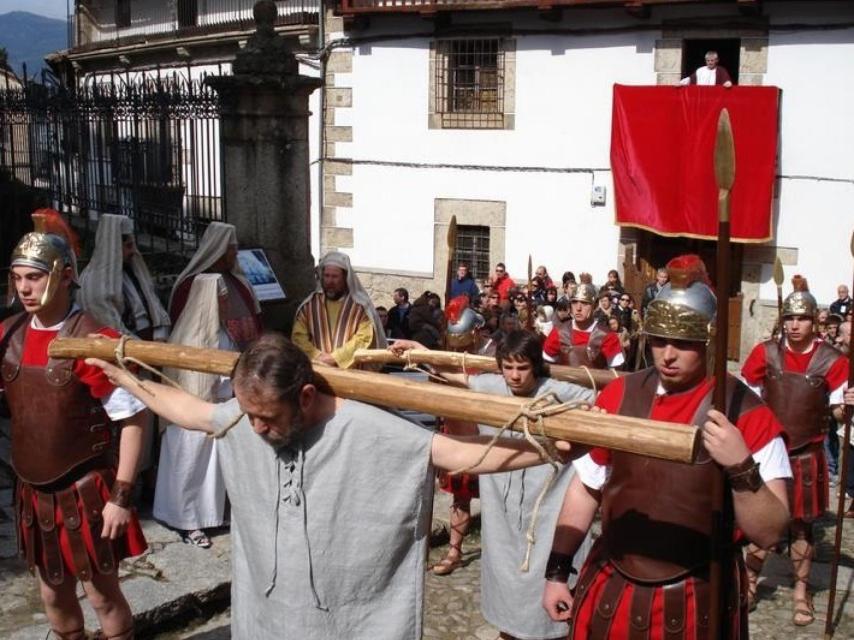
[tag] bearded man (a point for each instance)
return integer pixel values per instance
(338, 317)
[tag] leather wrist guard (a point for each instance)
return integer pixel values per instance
(121, 494)
(559, 567)
(745, 476)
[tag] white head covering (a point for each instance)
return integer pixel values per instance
(213, 245)
(101, 281)
(356, 290)
(199, 326)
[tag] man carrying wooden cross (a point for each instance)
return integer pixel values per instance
(648, 574)
(316, 554)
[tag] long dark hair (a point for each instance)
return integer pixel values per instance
(522, 345)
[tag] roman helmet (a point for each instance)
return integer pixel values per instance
(51, 247)
(463, 323)
(800, 302)
(585, 291)
(685, 307)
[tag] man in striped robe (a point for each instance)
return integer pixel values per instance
(338, 317)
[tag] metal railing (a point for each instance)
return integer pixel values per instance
(148, 150)
(120, 22)
(350, 7)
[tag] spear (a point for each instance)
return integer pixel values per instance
(529, 321)
(452, 250)
(722, 524)
(778, 280)
(653, 438)
(843, 482)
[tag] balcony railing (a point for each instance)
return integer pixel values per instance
(110, 23)
(350, 7)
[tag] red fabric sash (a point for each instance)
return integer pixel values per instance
(662, 158)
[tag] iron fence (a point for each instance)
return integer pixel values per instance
(148, 150)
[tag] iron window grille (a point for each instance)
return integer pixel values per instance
(470, 83)
(473, 249)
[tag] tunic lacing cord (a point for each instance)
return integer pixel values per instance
(546, 404)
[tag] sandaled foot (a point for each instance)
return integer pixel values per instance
(803, 613)
(197, 538)
(447, 566)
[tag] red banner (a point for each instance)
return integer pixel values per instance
(662, 158)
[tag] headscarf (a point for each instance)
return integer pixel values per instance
(355, 291)
(213, 245)
(199, 326)
(101, 281)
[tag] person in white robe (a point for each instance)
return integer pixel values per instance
(190, 492)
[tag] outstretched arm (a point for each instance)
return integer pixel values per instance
(174, 405)
(399, 347)
(451, 453)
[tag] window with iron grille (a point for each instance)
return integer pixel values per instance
(469, 83)
(473, 249)
(123, 13)
(188, 13)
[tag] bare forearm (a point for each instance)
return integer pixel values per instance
(459, 452)
(576, 516)
(174, 405)
(763, 516)
(131, 441)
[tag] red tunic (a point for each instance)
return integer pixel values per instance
(132, 543)
(758, 427)
(610, 343)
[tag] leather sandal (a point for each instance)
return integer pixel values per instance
(803, 607)
(197, 538)
(446, 566)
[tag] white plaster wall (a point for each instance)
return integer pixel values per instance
(814, 69)
(563, 120)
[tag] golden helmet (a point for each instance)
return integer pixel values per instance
(51, 248)
(685, 307)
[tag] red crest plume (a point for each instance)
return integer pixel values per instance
(585, 278)
(454, 309)
(51, 221)
(687, 269)
(799, 283)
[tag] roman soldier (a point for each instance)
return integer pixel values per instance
(648, 574)
(73, 498)
(800, 377)
(462, 334)
(581, 341)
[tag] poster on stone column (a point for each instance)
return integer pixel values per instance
(260, 274)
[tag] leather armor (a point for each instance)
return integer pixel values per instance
(799, 400)
(656, 515)
(57, 426)
(585, 355)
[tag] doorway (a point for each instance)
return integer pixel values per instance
(729, 55)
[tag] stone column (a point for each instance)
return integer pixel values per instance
(265, 159)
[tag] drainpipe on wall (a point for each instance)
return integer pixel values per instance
(321, 151)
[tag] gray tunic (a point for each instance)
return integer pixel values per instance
(329, 533)
(511, 599)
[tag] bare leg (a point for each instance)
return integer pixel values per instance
(62, 608)
(754, 558)
(109, 603)
(802, 553)
(460, 523)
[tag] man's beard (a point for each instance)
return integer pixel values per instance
(279, 440)
(332, 294)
